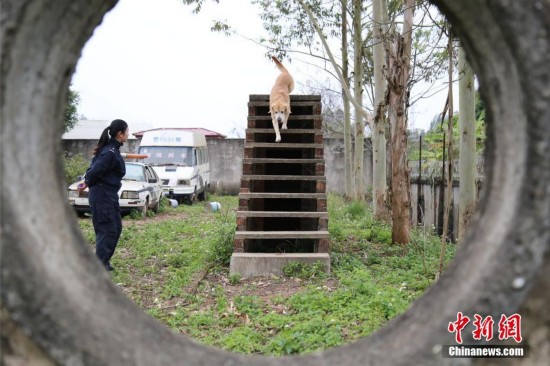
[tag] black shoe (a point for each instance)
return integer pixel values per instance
(109, 268)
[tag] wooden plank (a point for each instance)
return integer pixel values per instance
(297, 97)
(297, 117)
(280, 145)
(282, 235)
(310, 214)
(282, 161)
(283, 132)
(292, 104)
(283, 177)
(281, 195)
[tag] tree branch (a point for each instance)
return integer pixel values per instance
(364, 112)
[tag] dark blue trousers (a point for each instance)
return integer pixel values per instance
(106, 220)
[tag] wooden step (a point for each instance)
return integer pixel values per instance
(283, 177)
(265, 97)
(310, 214)
(288, 131)
(282, 145)
(292, 104)
(320, 234)
(281, 161)
(250, 195)
(298, 117)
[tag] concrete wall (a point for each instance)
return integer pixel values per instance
(226, 157)
(226, 165)
(85, 147)
(334, 165)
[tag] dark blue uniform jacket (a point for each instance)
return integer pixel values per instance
(107, 167)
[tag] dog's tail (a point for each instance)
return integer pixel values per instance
(279, 64)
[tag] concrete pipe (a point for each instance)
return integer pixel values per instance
(58, 305)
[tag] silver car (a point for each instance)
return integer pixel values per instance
(141, 190)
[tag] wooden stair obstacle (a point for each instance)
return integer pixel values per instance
(282, 213)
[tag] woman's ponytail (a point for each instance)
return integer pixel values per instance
(109, 132)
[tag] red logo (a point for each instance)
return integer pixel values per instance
(458, 325)
(484, 327)
(508, 327)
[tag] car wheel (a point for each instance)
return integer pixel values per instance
(156, 207)
(145, 208)
(202, 195)
(192, 197)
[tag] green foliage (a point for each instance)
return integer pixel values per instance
(356, 209)
(197, 3)
(220, 247)
(74, 167)
(432, 147)
(288, 26)
(135, 215)
(305, 270)
(71, 110)
(235, 278)
(164, 204)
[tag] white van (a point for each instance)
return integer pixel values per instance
(180, 159)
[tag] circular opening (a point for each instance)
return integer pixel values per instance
(56, 294)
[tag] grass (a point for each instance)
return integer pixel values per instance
(371, 280)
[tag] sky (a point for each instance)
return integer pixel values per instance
(155, 62)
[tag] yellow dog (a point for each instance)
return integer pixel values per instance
(279, 99)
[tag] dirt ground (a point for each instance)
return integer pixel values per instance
(266, 288)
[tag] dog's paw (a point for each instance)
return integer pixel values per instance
(284, 127)
(278, 139)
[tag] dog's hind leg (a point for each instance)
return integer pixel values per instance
(276, 128)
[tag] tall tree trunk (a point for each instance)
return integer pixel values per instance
(378, 130)
(449, 185)
(348, 168)
(467, 128)
(358, 96)
(399, 58)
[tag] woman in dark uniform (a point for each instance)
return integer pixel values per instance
(103, 178)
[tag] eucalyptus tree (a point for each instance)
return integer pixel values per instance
(448, 170)
(345, 101)
(399, 65)
(379, 186)
(358, 96)
(467, 127)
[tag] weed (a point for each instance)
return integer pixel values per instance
(235, 278)
(135, 215)
(221, 243)
(164, 204)
(305, 270)
(356, 209)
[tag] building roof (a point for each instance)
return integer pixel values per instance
(209, 134)
(86, 129)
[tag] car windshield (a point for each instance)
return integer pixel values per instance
(163, 155)
(134, 172)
